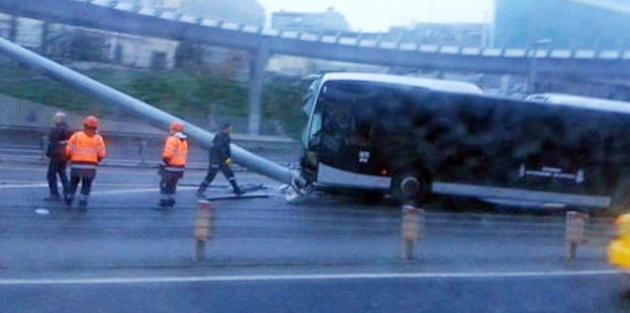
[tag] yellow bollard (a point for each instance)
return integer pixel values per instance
(411, 229)
(203, 228)
(574, 233)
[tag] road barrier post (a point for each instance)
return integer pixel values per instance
(411, 229)
(141, 151)
(574, 233)
(203, 228)
(43, 146)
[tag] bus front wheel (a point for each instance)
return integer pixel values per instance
(410, 187)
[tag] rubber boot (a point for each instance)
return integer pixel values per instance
(68, 199)
(163, 203)
(235, 188)
(83, 202)
(201, 190)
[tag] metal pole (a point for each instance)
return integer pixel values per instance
(141, 109)
(257, 79)
(44, 40)
(533, 68)
(532, 71)
(13, 28)
(142, 151)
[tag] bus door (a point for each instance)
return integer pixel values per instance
(341, 134)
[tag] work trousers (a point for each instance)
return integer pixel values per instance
(212, 173)
(57, 168)
(168, 186)
(84, 176)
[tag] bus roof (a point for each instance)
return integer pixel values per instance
(582, 102)
(432, 84)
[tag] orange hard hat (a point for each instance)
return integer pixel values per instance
(90, 121)
(177, 126)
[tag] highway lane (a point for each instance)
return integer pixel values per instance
(385, 292)
(121, 228)
(466, 262)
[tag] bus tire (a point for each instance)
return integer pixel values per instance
(411, 186)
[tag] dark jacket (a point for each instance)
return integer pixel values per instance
(57, 139)
(220, 150)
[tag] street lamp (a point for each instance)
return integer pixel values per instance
(532, 66)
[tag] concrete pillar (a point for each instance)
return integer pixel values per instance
(258, 63)
(13, 28)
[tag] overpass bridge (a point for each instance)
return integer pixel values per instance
(581, 65)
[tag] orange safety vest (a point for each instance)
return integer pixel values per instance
(85, 151)
(175, 153)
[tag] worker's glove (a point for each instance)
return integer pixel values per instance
(161, 167)
(228, 161)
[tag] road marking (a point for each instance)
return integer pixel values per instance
(24, 185)
(97, 193)
(18, 186)
(36, 183)
(297, 277)
(130, 191)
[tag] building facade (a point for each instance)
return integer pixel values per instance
(326, 22)
(564, 24)
(442, 34)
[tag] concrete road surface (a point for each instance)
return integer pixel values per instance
(327, 255)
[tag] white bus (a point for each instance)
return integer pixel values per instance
(375, 134)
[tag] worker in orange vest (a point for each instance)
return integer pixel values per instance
(174, 158)
(85, 150)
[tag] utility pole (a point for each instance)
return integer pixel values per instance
(533, 63)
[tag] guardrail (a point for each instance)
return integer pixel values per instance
(29, 144)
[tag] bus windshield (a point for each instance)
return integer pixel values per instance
(363, 114)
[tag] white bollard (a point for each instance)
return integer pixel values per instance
(203, 228)
(574, 233)
(411, 229)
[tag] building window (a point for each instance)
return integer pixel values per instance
(158, 60)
